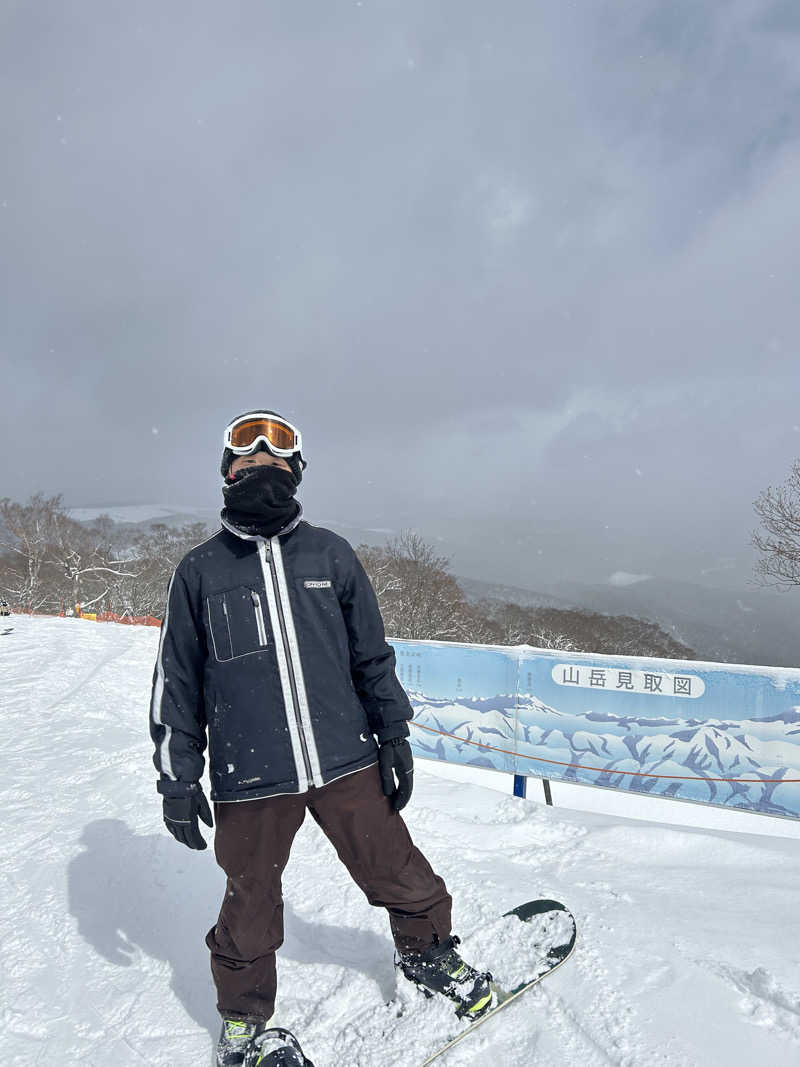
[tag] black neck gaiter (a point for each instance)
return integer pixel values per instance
(260, 499)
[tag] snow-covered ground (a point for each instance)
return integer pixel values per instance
(688, 938)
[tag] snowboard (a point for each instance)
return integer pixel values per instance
(546, 942)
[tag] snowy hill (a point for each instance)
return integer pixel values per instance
(685, 954)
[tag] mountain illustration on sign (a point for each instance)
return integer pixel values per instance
(599, 748)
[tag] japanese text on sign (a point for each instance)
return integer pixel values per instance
(617, 680)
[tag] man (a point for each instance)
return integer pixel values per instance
(273, 652)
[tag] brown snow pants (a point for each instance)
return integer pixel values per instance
(252, 843)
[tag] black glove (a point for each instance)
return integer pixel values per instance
(394, 757)
(180, 817)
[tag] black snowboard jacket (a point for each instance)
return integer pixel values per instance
(272, 650)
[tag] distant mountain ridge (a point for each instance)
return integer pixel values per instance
(728, 623)
(145, 514)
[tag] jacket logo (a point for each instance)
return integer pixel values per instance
(317, 585)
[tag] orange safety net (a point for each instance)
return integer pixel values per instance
(128, 620)
(98, 616)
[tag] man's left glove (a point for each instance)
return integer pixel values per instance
(395, 758)
(181, 814)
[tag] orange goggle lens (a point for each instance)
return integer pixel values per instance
(245, 433)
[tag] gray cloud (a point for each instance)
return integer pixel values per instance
(480, 253)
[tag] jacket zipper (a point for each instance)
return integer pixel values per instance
(262, 630)
(292, 681)
(228, 624)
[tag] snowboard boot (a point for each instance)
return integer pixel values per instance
(440, 969)
(236, 1040)
(276, 1047)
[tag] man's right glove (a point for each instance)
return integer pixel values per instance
(181, 814)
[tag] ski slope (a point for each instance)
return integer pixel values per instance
(688, 939)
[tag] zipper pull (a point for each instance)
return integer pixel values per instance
(255, 598)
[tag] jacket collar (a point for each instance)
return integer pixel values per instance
(257, 537)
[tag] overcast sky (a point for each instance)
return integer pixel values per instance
(490, 257)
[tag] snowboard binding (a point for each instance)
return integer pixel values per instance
(440, 969)
(276, 1047)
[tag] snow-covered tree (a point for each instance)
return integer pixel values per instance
(158, 552)
(778, 540)
(418, 597)
(26, 532)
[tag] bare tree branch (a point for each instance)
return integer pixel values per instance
(778, 540)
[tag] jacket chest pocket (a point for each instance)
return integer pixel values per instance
(319, 602)
(236, 622)
(319, 595)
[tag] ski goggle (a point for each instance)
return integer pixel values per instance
(281, 438)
